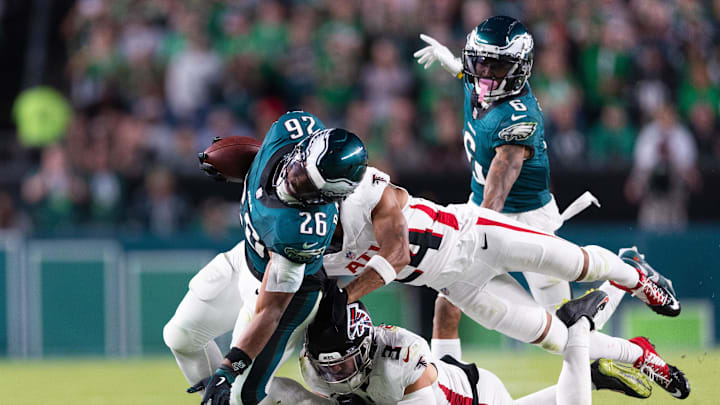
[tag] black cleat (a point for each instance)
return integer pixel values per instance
(588, 306)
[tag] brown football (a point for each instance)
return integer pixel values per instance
(232, 156)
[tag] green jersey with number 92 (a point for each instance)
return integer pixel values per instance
(301, 234)
(515, 120)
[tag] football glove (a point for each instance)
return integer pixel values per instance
(217, 391)
(437, 51)
(334, 301)
(199, 386)
(208, 168)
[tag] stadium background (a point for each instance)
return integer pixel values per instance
(104, 215)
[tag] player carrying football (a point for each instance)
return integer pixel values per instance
(268, 286)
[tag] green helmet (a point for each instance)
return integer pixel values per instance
(332, 161)
(497, 59)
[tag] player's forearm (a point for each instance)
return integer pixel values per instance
(259, 331)
(497, 188)
(500, 179)
(394, 243)
(368, 281)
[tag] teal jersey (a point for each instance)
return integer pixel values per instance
(301, 234)
(514, 120)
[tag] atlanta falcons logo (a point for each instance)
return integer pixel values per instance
(358, 321)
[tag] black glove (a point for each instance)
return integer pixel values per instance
(350, 399)
(209, 169)
(218, 388)
(199, 386)
(333, 305)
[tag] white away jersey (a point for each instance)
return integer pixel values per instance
(434, 233)
(400, 359)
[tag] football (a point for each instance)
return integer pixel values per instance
(231, 156)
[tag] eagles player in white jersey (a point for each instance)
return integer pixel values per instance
(505, 143)
(386, 235)
(354, 363)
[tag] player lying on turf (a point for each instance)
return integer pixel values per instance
(459, 249)
(358, 363)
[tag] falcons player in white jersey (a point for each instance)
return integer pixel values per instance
(460, 249)
(355, 363)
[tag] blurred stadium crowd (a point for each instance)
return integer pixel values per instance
(630, 85)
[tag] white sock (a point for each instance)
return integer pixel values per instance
(574, 383)
(441, 347)
(616, 295)
(605, 265)
(603, 346)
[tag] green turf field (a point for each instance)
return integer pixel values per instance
(158, 381)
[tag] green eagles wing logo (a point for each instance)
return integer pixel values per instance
(518, 132)
(303, 256)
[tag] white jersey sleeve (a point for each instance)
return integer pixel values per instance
(356, 221)
(400, 359)
(369, 191)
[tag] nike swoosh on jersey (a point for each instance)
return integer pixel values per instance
(517, 117)
(309, 245)
(484, 246)
(407, 358)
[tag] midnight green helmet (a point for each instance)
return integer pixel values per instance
(497, 59)
(334, 160)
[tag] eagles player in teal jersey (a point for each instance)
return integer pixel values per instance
(504, 140)
(289, 213)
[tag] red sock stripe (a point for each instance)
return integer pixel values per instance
(485, 221)
(442, 217)
(455, 398)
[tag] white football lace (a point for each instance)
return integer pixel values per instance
(649, 368)
(656, 293)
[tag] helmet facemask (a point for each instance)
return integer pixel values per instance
(493, 72)
(347, 372)
(342, 354)
(300, 180)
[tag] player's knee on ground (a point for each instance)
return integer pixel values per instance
(446, 319)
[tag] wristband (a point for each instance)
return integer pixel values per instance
(383, 268)
(239, 360)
